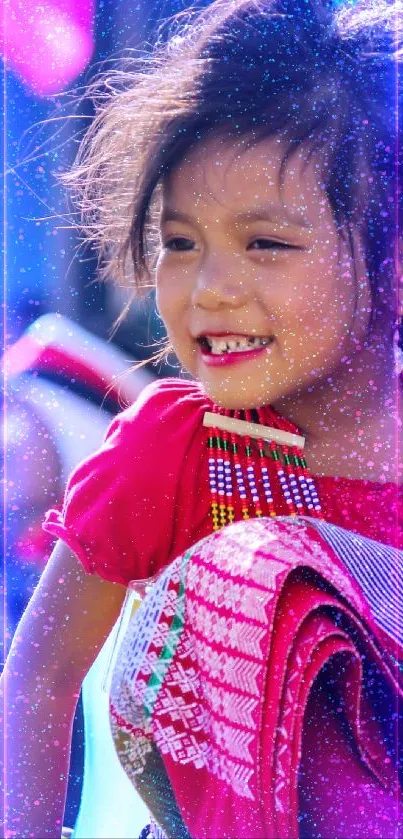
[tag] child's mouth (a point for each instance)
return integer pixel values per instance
(227, 349)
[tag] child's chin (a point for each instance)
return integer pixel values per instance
(236, 398)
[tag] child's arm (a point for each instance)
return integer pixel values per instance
(64, 626)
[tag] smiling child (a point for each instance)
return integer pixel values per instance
(251, 171)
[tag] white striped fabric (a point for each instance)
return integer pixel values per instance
(378, 570)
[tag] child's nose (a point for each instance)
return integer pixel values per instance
(218, 286)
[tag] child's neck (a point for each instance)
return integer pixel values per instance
(351, 421)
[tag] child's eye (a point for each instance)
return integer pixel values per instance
(268, 244)
(178, 243)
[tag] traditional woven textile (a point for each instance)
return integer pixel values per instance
(213, 679)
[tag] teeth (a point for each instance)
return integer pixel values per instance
(219, 346)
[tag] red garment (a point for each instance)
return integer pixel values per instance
(144, 497)
(254, 693)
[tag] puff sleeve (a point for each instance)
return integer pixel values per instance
(118, 515)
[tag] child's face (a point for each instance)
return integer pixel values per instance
(242, 260)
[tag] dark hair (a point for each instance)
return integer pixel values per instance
(322, 75)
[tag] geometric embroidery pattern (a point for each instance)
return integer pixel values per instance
(197, 694)
(191, 675)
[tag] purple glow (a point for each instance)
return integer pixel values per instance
(48, 44)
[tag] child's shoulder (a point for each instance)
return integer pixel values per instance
(171, 391)
(166, 405)
(169, 395)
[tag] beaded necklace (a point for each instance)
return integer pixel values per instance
(268, 451)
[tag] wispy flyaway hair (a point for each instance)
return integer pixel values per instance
(310, 71)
